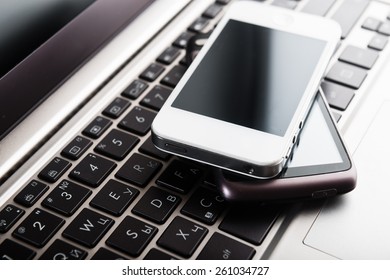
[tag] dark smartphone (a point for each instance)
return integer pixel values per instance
(319, 167)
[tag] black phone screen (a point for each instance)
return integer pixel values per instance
(252, 76)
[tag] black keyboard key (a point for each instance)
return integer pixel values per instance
(116, 144)
(31, 193)
(199, 24)
(132, 236)
(138, 121)
(337, 96)
(180, 176)
(9, 216)
(75, 149)
(371, 24)
(156, 98)
(156, 205)
(348, 75)
(151, 150)
(182, 237)
(360, 57)
(221, 247)
(384, 28)
(105, 254)
(153, 71)
(88, 228)
(61, 250)
(155, 254)
(318, 7)
(250, 223)
(10, 250)
(97, 127)
(288, 4)
(139, 170)
(182, 40)
(114, 198)
(116, 108)
(225, 2)
(174, 75)
(92, 170)
(135, 89)
(212, 11)
(38, 227)
(348, 14)
(66, 198)
(54, 170)
(169, 55)
(378, 42)
(204, 205)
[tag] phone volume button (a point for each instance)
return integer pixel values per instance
(175, 149)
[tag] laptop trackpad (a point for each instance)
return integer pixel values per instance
(354, 226)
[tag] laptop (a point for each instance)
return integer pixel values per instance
(80, 178)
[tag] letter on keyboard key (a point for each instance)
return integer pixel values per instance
(61, 250)
(88, 228)
(250, 223)
(156, 205)
(182, 237)
(139, 170)
(114, 198)
(204, 205)
(180, 176)
(132, 236)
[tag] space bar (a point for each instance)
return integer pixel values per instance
(348, 14)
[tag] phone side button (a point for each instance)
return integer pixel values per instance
(324, 193)
(175, 149)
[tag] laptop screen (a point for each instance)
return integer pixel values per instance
(25, 25)
(42, 42)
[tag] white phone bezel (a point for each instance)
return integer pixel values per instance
(194, 130)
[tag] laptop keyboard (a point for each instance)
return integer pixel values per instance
(110, 194)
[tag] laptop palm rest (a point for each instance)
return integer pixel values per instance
(349, 227)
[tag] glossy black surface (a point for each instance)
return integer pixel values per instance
(61, 37)
(252, 76)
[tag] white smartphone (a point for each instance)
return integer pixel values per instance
(241, 103)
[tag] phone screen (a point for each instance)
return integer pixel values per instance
(319, 149)
(252, 76)
(316, 139)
